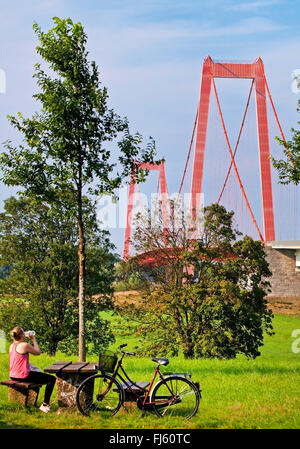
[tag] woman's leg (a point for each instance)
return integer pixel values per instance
(44, 379)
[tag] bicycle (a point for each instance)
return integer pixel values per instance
(174, 394)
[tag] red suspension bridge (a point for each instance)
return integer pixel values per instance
(236, 176)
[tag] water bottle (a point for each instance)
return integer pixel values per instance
(29, 334)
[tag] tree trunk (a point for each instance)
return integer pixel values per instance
(188, 346)
(52, 348)
(81, 289)
(188, 350)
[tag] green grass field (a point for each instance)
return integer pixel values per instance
(236, 394)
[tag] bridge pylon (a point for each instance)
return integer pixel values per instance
(254, 71)
(164, 200)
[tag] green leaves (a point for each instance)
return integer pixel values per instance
(289, 166)
(66, 152)
(39, 244)
(205, 297)
(63, 144)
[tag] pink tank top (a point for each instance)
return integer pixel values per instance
(18, 364)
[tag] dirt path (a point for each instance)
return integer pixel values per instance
(284, 306)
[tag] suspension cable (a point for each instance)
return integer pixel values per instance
(237, 142)
(232, 159)
(188, 156)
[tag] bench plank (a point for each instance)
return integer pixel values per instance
(18, 384)
(130, 394)
(74, 367)
(90, 368)
(56, 367)
(70, 368)
(133, 387)
(26, 393)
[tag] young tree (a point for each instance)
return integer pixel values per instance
(66, 156)
(203, 296)
(40, 292)
(289, 167)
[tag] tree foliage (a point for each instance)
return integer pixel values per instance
(66, 156)
(289, 167)
(40, 293)
(205, 297)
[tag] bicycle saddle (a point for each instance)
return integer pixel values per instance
(161, 361)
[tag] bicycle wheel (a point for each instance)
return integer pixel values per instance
(175, 396)
(99, 393)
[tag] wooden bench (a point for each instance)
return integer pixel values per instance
(25, 393)
(129, 392)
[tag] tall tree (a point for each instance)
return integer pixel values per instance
(66, 155)
(40, 290)
(289, 167)
(204, 296)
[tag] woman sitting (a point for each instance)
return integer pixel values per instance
(19, 366)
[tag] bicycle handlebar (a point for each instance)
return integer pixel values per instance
(125, 352)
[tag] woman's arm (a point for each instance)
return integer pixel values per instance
(34, 348)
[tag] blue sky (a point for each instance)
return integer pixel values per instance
(150, 56)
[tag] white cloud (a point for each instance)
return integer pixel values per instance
(251, 6)
(133, 43)
(151, 63)
(250, 26)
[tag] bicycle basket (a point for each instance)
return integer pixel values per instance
(107, 361)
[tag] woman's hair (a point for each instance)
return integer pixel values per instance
(17, 333)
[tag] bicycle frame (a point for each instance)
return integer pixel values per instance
(116, 374)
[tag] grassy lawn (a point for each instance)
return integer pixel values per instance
(248, 394)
